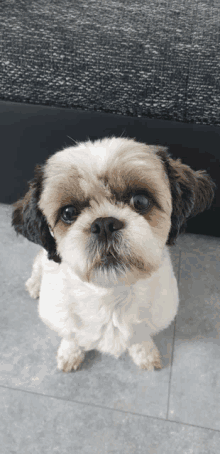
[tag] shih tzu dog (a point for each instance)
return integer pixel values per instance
(105, 213)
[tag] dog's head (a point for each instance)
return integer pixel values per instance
(107, 208)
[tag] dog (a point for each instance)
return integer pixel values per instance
(105, 213)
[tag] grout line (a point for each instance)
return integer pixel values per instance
(172, 355)
(108, 408)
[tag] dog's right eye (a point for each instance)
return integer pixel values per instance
(68, 214)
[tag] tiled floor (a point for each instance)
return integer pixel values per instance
(109, 406)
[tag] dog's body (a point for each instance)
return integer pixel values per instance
(111, 320)
(105, 213)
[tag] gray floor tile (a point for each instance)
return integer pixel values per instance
(42, 425)
(195, 385)
(191, 242)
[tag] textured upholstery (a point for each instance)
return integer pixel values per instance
(152, 58)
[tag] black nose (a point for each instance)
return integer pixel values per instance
(104, 227)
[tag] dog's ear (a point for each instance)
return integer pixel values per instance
(29, 221)
(192, 192)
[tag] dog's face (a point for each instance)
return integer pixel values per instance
(108, 208)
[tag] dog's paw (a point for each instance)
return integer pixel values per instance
(33, 287)
(69, 356)
(152, 361)
(146, 356)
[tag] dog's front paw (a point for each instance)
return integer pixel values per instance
(69, 356)
(146, 355)
(33, 287)
(152, 361)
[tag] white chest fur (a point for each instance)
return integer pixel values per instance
(107, 319)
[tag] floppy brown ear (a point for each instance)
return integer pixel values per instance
(29, 221)
(192, 192)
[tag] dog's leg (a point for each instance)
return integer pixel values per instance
(33, 283)
(145, 355)
(69, 355)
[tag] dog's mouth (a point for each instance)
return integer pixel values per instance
(110, 255)
(110, 263)
(109, 258)
(113, 257)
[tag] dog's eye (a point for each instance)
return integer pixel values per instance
(140, 202)
(68, 214)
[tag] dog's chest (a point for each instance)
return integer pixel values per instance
(99, 321)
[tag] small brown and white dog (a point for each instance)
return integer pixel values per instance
(104, 213)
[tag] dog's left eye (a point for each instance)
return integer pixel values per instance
(140, 202)
(68, 214)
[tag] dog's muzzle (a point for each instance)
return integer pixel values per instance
(104, 240)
